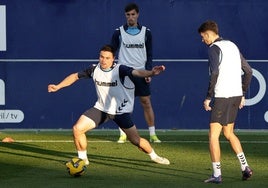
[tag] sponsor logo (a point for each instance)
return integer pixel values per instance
(106, 84)
(134, 45)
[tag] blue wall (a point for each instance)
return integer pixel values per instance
(49, 39)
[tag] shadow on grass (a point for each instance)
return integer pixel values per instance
(28, 150)
(143, 166)
(22, 148)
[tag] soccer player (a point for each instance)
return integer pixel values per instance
(115, 102)
(227, 88)
(134, 45)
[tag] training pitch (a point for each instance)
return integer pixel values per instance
(36, 158)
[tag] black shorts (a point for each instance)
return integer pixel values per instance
(142, 88)
(224, 110)
(99, 117)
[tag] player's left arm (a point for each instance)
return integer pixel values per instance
(129, 71)
(148, 73)
(149, 52)
(246, 78)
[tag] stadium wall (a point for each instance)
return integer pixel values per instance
(42, 41)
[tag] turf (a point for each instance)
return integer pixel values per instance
(36, 159)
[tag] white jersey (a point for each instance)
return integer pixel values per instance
(229, 82)
(133, 50)
(114, 97)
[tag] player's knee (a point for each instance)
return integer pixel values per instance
(145, 101)
(77, 131)
(213, 136)
(227, 135)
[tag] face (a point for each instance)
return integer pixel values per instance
(207, 37)
(106, 59)
(132, 17)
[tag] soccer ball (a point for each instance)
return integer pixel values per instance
(76, 167)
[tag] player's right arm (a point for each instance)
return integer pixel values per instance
(72, 78)
(69, 80)
(214, 62)
(115, 39)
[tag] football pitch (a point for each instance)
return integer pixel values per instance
(37, 159)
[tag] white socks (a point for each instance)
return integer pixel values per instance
(82, 154)
(216, 169)
(151, 130)
(153, 155)
(242, 159)
(121, 132)
(217, 165)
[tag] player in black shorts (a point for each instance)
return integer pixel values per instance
(134, 45)
(226, 90)
(115, 102)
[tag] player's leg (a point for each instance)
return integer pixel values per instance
(136, 140)
(217, 118)
(237, 148)
(232, 138)
(149, 117)
(83, 125)
(125, 122)
(214, 147)
(88, 121)
(144, 145)
(215, 153)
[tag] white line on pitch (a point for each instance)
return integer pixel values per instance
(108, 141)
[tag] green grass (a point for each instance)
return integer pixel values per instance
(36, 159)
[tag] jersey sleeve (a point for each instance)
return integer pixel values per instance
(214, 62)
(87, 73)
(246, 78)
(125, 71)
(115, 39)
(149, 49)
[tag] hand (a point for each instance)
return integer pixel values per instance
(242, 103)
(52, 88)
(206, 105)
(158, 69)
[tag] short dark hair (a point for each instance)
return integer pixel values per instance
(132, 6)
(108, 48)
(209, 26)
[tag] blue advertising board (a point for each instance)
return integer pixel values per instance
(42, 41)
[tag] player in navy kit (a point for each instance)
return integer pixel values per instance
(115, 102)
(227, 88)
(134, 45)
